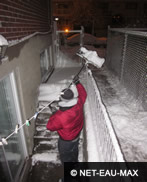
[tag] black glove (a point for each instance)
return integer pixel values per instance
(76, 80)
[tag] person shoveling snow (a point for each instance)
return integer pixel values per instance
(68, 121)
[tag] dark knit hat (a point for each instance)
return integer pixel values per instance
(67, 94)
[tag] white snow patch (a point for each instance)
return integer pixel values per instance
(53, 142)
(44, 157)
(92, 144)
(127, 116)
(65, 62)
(50, 92)
(3, 41)
(41, 128)
(17, 41)
(91, 57)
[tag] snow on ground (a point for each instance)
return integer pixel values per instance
(45, 157)
(51, 90)
(75, 39)
(128, 117)
(88, 39)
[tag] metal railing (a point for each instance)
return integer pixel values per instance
(58, 32)
(107, 144)
(127, 58)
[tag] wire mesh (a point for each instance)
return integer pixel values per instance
(127, 57)
(115, 51)
(134, 71)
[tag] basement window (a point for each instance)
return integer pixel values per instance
(46, 63)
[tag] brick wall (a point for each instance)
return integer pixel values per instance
(19, 18)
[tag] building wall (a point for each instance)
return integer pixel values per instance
(24, 61)
(19, 18)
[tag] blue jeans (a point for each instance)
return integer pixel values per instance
(68, 150)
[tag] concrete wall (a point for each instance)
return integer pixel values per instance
(24, 61)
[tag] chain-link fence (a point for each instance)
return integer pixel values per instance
(127, 58)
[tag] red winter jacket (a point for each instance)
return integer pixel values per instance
(69, 123)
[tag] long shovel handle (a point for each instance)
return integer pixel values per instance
(77, 74)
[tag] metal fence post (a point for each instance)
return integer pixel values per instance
(123, 57)
(81, 36)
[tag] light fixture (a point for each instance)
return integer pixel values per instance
(3, 48)
(56, 18)
(66, 30)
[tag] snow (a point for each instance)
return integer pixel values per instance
(44, 157)
(127, 116)
(40, 128)
(92, 144)
(75, 39)
(3, 41)
(51, 90)
(48, 142)
(91, 57)
(88, 39)
(17, 41)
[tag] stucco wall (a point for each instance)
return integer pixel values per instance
(24, 60)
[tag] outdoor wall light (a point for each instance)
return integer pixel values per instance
(3, 48)
(56, 18)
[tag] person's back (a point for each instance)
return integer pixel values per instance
(68, 120)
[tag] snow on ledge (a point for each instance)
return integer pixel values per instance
(92, 146)
(17, 41)
(3, 41)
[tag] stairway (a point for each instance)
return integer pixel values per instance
(46, 166)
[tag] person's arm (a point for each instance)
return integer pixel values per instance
(54, 123)
(82, 92)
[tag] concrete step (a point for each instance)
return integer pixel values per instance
(42, 119)
(46, 134)
(45, 146)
